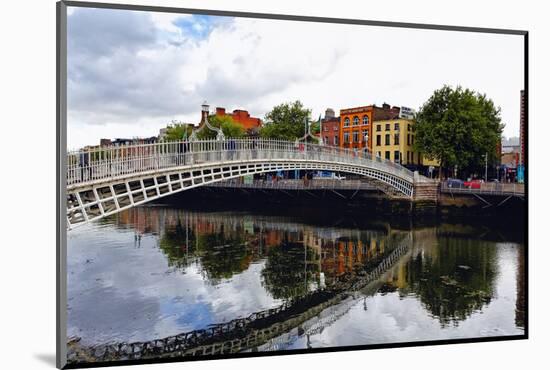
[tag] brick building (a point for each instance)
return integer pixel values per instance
(242, 117)
(330, 128)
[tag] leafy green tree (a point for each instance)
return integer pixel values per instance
(177, 131)
(285, 121)
(458, 127)
(229, 127)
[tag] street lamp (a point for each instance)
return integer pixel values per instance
(486, 161)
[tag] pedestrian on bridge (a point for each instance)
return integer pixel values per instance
(183, 149)
(231, 147)
(84, 162)
(254, 149)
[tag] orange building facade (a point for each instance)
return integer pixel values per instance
(355, 127)
(356, 124)
(242, 117)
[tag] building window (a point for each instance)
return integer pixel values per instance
(355, 121)
(346, 122)
(387, 139)
(366, 135)
(326, 140)
(408, 139)
(346, 137)
(378, 128)
(409, 127)
(365, 120)
(412, 139)
(355, 136)
(325, 128)
(397, 156)
(378, 140)
(396, 139)
(379, 154)
(396, 126)
(387, 127)
(336, 140)
(335, 127)
(387, 154)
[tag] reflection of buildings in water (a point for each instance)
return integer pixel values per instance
(424, 244)
(142, 220)
(336, 251)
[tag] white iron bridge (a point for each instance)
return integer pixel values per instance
(105, 180)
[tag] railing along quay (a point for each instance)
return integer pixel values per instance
(107, 162)
(286, 184)
(504, 189)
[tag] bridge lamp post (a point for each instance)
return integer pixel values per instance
(205, 108)
(366, 141)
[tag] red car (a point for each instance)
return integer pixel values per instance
(473, 184)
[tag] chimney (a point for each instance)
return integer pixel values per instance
(220, 111)
(329, 113)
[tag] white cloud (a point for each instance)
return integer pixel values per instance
(255, 64)
(165, 21)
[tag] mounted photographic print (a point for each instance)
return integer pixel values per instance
(235, 184)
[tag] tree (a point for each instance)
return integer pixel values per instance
(229, 127)
(458, 127)
(285, 121)
(177, 131)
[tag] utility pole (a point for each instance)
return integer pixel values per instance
(486, 160)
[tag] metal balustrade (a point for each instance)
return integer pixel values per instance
(113, 161)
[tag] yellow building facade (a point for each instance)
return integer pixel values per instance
(394, 140)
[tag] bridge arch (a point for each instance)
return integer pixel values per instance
(114, 179)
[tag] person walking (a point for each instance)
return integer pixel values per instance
(231, 147)
(84, 163)
(183, 148)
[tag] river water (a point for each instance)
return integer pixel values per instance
(157, 271)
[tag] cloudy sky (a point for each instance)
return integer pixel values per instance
(131, 73)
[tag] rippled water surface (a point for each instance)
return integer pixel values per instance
(152, 272)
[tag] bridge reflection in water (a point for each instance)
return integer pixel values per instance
(313, 278)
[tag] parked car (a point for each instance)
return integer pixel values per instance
(454, 183)
(473, 184)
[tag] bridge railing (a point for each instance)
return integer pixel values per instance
(103, 162)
